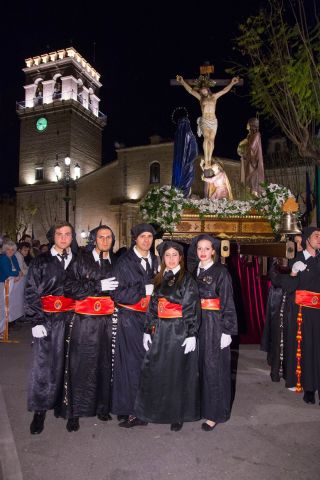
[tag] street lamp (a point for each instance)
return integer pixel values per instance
(67, 180)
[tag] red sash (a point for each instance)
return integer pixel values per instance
(94, 306)
(303, 298)
(307, 299)
(141, 306)
(210, 303)
(56, 303)
(169, 310)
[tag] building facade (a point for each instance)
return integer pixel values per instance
(59, 118)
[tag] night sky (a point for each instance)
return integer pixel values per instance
(136, 49)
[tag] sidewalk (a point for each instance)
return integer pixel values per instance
(272, 434)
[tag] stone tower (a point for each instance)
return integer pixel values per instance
(59, 117)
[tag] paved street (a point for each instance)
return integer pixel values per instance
(272, 434)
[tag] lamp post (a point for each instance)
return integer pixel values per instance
(67, 180)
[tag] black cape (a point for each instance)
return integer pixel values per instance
(214, 363)
(308, 280)
(87, 384)
(169, 387)
(129, 351)
(46, 276)
(278, 338)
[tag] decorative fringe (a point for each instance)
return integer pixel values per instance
(299, 354)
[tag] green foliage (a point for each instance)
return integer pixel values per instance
(282, 64)
(164, 206)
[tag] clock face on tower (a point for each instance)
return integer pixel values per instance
(41, 124)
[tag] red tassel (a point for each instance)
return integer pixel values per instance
(299, 354)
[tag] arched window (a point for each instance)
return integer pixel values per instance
(38, 96)
(154, 173)
(57, 88)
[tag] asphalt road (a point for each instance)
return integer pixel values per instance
(272, 434)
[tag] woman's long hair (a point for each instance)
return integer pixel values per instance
(159, 277)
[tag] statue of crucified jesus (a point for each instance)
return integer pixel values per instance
(207, 123)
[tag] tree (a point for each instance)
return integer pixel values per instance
(282, 51)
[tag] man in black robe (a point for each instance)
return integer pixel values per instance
(304, 281)
(48, 310)
(87, 384)
(135, 271)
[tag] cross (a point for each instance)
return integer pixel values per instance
(206, 69)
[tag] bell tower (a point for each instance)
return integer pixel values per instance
(59, 118)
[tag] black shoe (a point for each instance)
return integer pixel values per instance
(207, 428)
(122, 417)
(175, 427)
(133, 422)
(57, 412)
(37, 424)
(104, 417)
(73, 424)
(309, 397)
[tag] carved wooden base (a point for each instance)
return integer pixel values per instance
(249, 228)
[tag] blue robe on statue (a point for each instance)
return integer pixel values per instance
(185, 152)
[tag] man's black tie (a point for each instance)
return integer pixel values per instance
(148, 268)
(201, 270)
(104, 263)
(63, 256)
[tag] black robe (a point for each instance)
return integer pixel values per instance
(278, 338)
(129, 351)
(89, 364)
(46, 276)
(214, 363)
(169, 386)
(308, 280)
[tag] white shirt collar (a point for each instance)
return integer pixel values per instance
(173, 270)
(306, 254)
(54, 253)
(141, 256)
(96, 256)
(206, 267)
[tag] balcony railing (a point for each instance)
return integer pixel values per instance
(37, 101)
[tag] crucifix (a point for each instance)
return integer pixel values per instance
(207, 123)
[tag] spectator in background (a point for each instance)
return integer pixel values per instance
(22, 252)
(10, 276)
(44, 248)
(35, 248)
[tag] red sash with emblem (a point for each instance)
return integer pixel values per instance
(56, 303)
(141, 306)
(307, 299)
(167, 309)
(94, 306)
(210, 303)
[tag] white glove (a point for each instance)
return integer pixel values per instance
(225, 340)
(109, 284)
(190, 344)
(298, 267)
(39, 331)
(146, 341)
(149, 289)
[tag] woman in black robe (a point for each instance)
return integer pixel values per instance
(169, 385)
(219, 322)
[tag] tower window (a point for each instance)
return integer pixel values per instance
(39, 173)
(154, 173)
